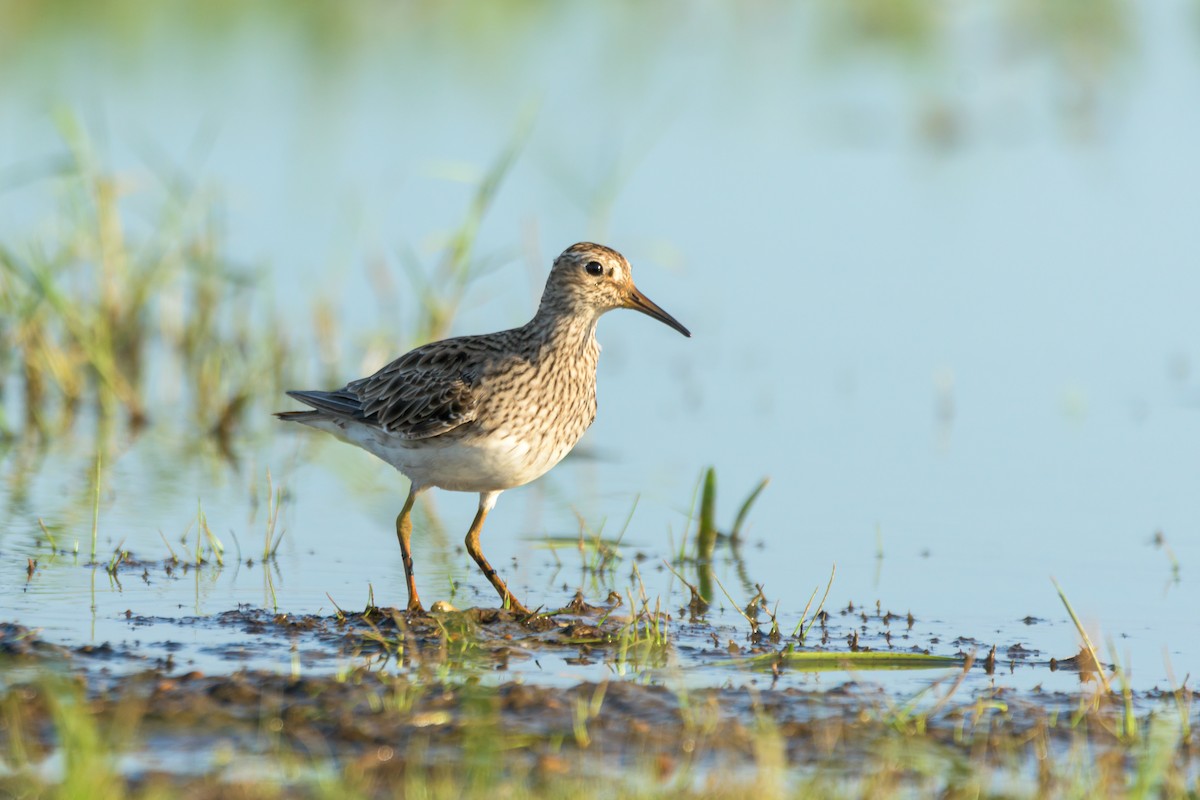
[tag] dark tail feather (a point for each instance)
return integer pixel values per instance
(338, 404)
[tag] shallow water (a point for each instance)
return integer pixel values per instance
(946, 302)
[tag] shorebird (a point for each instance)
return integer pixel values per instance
(487, 413)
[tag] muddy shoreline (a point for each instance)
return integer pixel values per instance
(428, 694)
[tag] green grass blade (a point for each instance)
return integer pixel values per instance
(830, 661)
(706, 537)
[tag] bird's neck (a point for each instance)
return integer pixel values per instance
(560, 329)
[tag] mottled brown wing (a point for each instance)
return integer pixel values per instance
(424, 393)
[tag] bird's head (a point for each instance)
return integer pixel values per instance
(596, 277)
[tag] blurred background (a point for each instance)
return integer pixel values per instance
(938, 260)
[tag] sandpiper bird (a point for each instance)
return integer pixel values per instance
(487, 413)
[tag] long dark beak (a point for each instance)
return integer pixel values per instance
(644, 304)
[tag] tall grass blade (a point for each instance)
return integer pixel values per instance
(706, 537)
(736, 532)
(96, 506)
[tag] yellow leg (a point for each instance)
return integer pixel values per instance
(485, 504)
(404, 534)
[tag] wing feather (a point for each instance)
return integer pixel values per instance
(426, 392)
(429, 391)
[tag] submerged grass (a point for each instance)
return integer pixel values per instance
(91, 306)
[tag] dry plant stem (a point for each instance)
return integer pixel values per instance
(1182, 696)
(340, 614)
(49, 536)
(174, 558)
(804, 613)
(733, 603)
(695, 592)
(958, 681)
(1087, 640)
(404, 534)
(821, 605)
(476, 552)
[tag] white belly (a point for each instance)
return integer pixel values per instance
(488, 464)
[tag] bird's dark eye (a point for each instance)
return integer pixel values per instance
(594, 268)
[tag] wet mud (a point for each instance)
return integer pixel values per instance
(385, 693)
